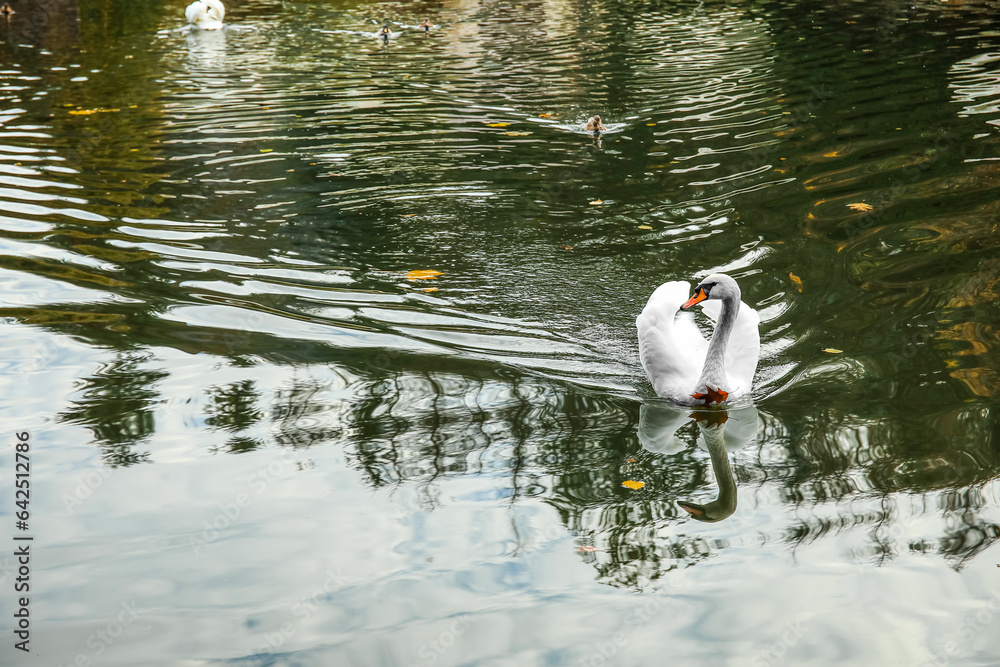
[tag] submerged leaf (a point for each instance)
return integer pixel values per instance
(861, 206)
(635, 486)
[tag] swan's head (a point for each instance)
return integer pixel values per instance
(716, 286)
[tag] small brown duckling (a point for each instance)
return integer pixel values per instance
(426, 25)
(594, 124)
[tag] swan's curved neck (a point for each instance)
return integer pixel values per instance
(714, 372)
(725, 504)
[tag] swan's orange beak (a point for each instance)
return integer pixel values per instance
(698, 297)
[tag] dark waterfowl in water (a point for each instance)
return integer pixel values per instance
(594, 124)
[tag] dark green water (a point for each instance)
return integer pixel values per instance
(257, 438)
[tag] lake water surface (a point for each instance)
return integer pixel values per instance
(326, 348)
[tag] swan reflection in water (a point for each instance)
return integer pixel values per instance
(721, 431)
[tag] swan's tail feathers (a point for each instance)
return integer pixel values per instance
(194, 12)
(206, 14)
(666, 300)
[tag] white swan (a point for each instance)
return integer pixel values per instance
(680, 363)
(206, 14)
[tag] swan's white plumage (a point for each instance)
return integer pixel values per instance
(672, 349)
(206, 14)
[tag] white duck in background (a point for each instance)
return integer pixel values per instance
(206, 14)
(682, 366)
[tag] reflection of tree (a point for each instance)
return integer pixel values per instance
(40, 24)
(233, 408)
(833, 473)
(116, 404)
(424, 420)
(298, 413)
(967, 533)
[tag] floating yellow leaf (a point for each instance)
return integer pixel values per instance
(266, 150)
(596, 202)
(644, 227)
(409, 215)
(430, 289)
(832, 350)
(545, 115)
(498, 124)
(650, 124)
(87, 112)
(796, 280)
(861, 206)
(518, 134)
(423, 274)
(635, 486)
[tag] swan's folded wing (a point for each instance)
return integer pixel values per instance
(743, 350)
(671, 348)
